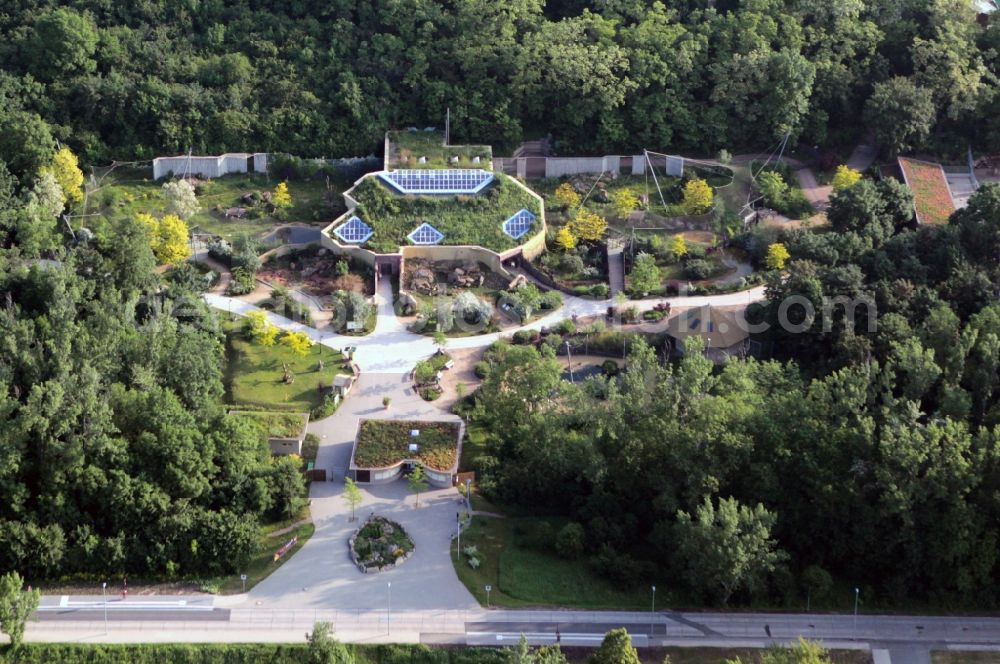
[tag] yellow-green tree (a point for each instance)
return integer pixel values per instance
(566, 239)
(299, 342)
(845, 177)
(678, 246)
(65, 168)
(168, 238)
(624, 201)
(777, 255)
(566, 195)
(261, 330)
(588, 226)
(698, 197)
(282, 197)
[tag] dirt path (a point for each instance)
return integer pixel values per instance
(224, 276)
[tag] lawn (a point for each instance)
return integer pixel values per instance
(475, 220)
(525, 577)
(472, 448)
(127, 193)
(964, 657)
(254, 373)
(930, 190)
(407, 147)
(383, 443)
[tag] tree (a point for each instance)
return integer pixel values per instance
(16, 606)
(565, 238)
(424, 373)
(26, 143)
(324, 649)
(181, 199)
(777, 254)
(900, 113)
(298, 342)
(845, 177)
(678, 246)
(49, 195)
(282, 197)
(616, 648)
(352, 496)
(440, 340)
(726, 548)
(773, 188)
(645, 275)
(168, 238)
(570, 540)
(697, 198)
(65, 168)
(64, 42)
(566, 196)
(624, 201)
(417, 481)
(802, 652)
(261, 330)
(588, 226)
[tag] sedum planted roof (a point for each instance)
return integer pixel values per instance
(519, 224)
(354, 231)
(425, 234)
(438, 181)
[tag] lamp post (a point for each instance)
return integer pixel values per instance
(569, 362)
(458, 547)
(104, 594)
(388, 607)
(857, 593)
(652, 613)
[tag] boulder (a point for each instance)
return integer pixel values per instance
(520, 281)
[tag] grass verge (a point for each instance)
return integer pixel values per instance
(524, 577)
(262, 564)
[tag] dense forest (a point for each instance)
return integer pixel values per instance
(133, 80)
(866, 454)
(115, 454)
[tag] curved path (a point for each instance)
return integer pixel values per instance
(393, 349)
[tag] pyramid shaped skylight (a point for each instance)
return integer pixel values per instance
(354, 231)
(425, 234)
(519, 224)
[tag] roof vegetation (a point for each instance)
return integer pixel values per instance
(475, 220)
(407, 147)
(276, 425)
(384, 443)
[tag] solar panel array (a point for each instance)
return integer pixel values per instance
(425, 234)
(354, 231)
(433, 181)
(519, 224)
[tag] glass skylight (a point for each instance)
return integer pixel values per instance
(433, 181)
(519, 224)
(425, 234)
(354, 231)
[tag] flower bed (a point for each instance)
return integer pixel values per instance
(384, 443)
(930, 190)
(378, 544)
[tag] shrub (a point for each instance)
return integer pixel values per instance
(570, 264)
(471, 309)
(609, 367)
(523, 337)
(600, 291)
(698, 269)
(471, 550)
(551, 300)
(242, 282)
(566, 326)
(654, 315)
(482, 369)
(474, 562)
(570, 540)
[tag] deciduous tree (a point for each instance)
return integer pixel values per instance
(698, 197)
(16, 606)
(777, 254)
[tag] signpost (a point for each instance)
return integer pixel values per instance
(488, 589)
(243, 579)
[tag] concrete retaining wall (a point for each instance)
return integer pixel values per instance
(209, 167)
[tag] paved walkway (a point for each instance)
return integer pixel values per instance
(321, 575)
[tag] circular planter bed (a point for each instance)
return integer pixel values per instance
(380, 544)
